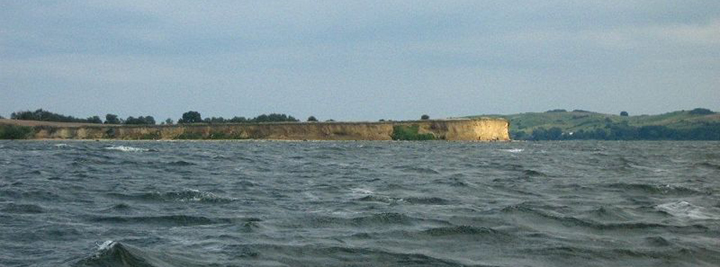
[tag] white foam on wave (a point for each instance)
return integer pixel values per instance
(684, 209)
(361, 191)
(106, 245)
(62, 145)
(127, 149)
(514, 150)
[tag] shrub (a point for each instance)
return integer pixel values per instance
(15, 132)
(190, 136)
(403, 132)
(624, 114)
(424, 117)
(312, 118)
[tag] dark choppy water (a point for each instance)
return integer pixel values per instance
(359, 203)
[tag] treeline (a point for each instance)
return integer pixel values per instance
(187, 117)
(622, 131)
(195, 117)
(44, 115)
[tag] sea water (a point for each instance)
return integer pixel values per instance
(255, 203)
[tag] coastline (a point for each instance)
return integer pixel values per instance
(479, 129)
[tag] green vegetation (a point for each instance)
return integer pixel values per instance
(194, 117)
(273, 117)
(15, 132)
(701, 111)
(697, 124)
(312, 119)
(424, 117)
(150, 136)
(190, 117)
(190, 136)
(44, 115)
(402, 132)
(112, 119)
(214, 135)
(149, 120)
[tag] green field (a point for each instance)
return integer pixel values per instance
(568, 123)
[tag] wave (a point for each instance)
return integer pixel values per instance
(180, 163)
(533, 173)
(23, 208)
(115, 254)
(610, 214)
(462, 230)
(416, 169)
(380, 219)
(127, 149)
(707, 165)
(318, 255)
(683, 209)
(187, 195)
(655, 189)
(679, 256)
(569, 221)
(513, 150)
(168, 220)
(427, 200)
(410, 200)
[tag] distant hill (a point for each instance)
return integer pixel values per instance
(696, 124)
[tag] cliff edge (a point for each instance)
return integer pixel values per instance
(479, 129)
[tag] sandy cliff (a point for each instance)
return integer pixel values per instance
(483, 129)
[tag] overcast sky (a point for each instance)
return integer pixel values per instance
(357, 60)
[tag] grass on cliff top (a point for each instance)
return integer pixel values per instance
(573, 121)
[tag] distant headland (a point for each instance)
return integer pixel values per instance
(41, 124)
(561, 124)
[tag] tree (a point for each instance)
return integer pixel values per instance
(424, 117)
(701, 111)
(554, 133)
(237, 119)
(169, 121)
(624, 114)
(190, 117)
(94, 119)
(149, 120)
(112, 119)
(312, 118)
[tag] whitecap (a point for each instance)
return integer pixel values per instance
(684, 209)
(361, 192)
(61, 145)
(127, 149)
(106, 245)
(514, 150)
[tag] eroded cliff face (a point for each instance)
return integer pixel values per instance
(485, 129)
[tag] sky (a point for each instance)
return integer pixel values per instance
(357, 60)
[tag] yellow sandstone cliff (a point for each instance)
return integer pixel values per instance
(483, 129)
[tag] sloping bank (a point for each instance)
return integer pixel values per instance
(481, 129)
